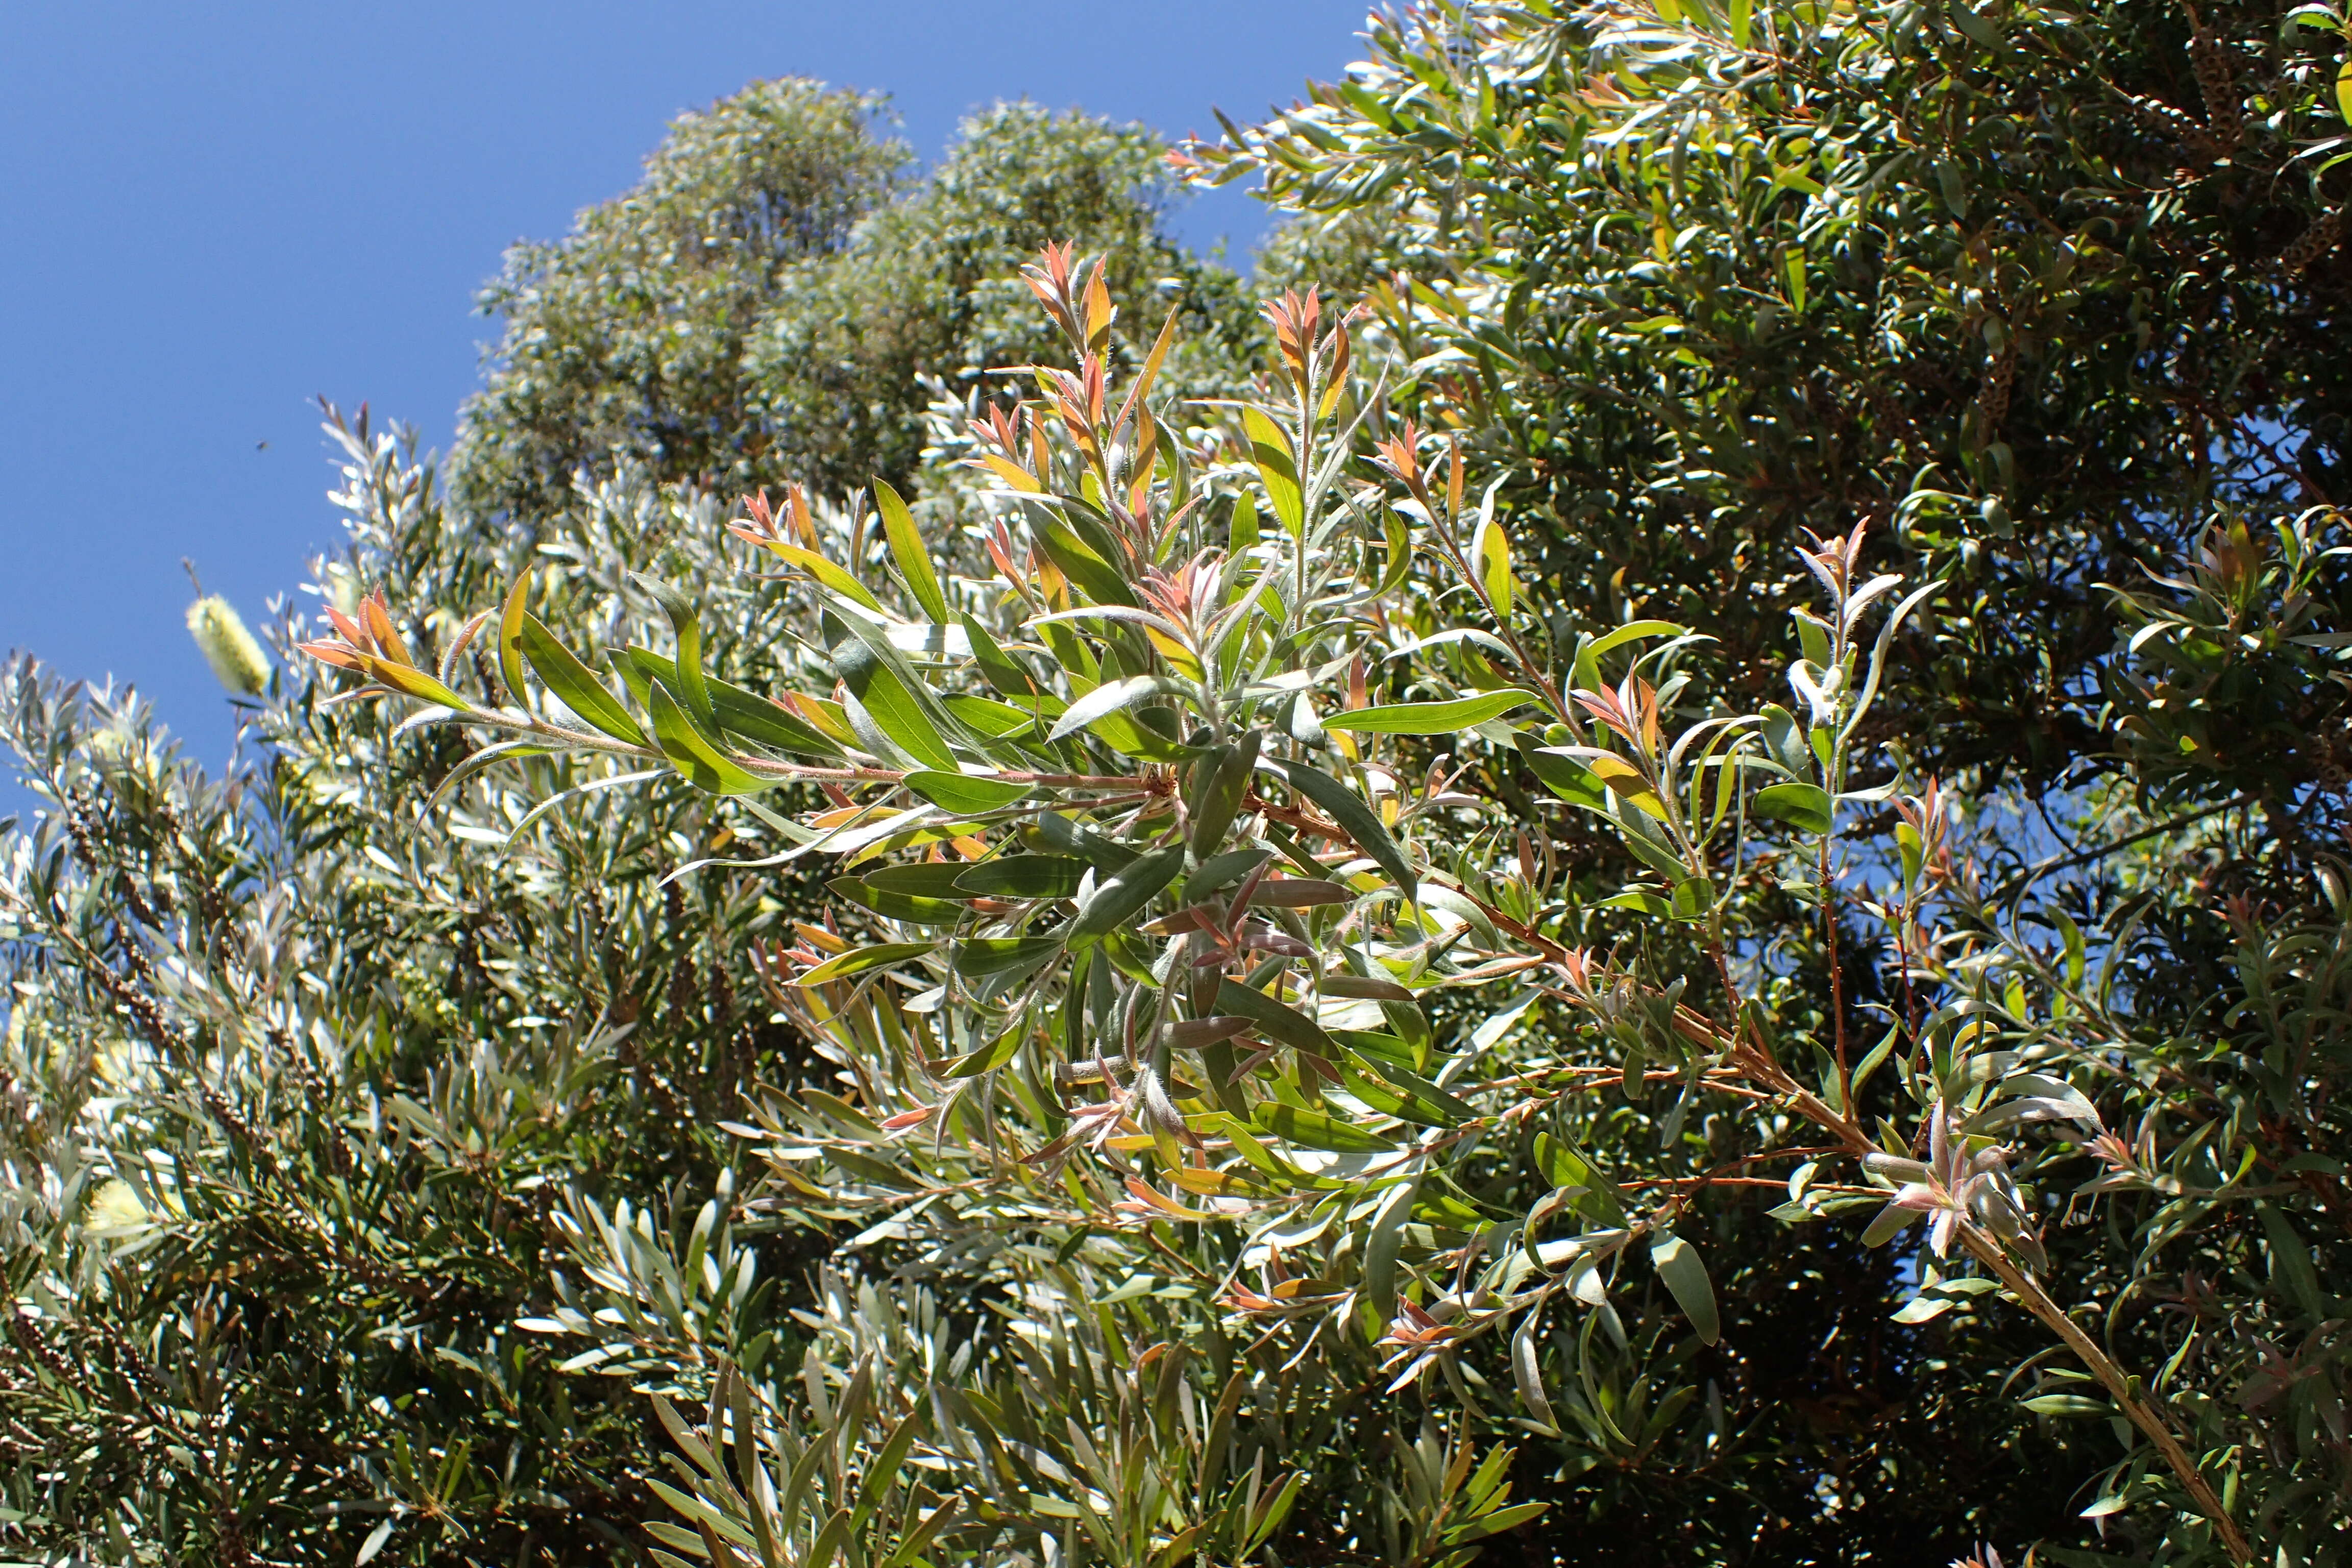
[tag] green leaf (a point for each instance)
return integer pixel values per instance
(1587, 673)
(911, 908)
(511, 636)
(1922, 1308)
(1122, 734)
(1566, 777)
(1382, 1243)
(1223, 870)
(1118, 901)
(414, 682)
(1490, 557)
(1887, 1223)
(1410, 1096)
(1785, 737)
(1628, 782)
(560, 670)
(1495, 1523)
(826, 572)
(1242, 532)
(1317, 1129)
(1270, 450)
(906, 550)
(487, 757)
(695, 754)
(1430, 718)
(925, 878)
(1679, 1263)
(966, 794)
(688, 681)
(1527, 1370)
(1276, 1020)
(1056, 834)
(2067, 1404)
(1023, 876)
(1222, 783)
(857, 961)
(996, 667)
(2291, 1265)
(1108, 699)
(911, 1550)
(1003, 954)
(1082, 565)
(895, 709)
(1806, 807)
(739, 711)
(1355, 818)
(991, 1056)
(829, 1541)
(986, 717)
(883, 1470)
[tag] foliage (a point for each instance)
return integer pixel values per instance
(1404, 948)
(926, 299)
(1183, 936)
(626, 337)
(776, 299)
(2032, 289)
(308, 1102)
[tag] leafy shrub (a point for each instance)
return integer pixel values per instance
(1374, 994)
(1184, 1001)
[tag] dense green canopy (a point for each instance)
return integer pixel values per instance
(1785, 677)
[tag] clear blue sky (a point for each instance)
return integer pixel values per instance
(214, 213)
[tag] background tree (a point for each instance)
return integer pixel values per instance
(779, 300)
(339, 1097)
(380, 1152)
(626, 339)
(926, 301)
(2033, 291)
(2034, 295)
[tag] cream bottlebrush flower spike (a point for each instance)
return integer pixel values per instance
(235, 654)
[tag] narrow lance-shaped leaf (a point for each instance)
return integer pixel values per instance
(842, 966)
(1023, 876)
(511, 636)
(1356, 819)
(686, 626)
(695, 754)
(1318, 1129)
(1108, 699)
(906, 549)
(1119, 899)
(966, 794)
(1380, 1247)
(884, 695)
(574, 685)
(1270, 449)
(1430, 718)
(1490, 557)
(1679, 1263)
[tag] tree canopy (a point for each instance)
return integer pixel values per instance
(1672, 895)
(781, 298)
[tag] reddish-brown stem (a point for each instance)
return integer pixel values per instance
(2036, 1300)
(2019, 1284)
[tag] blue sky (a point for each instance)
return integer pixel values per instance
(214, 214)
